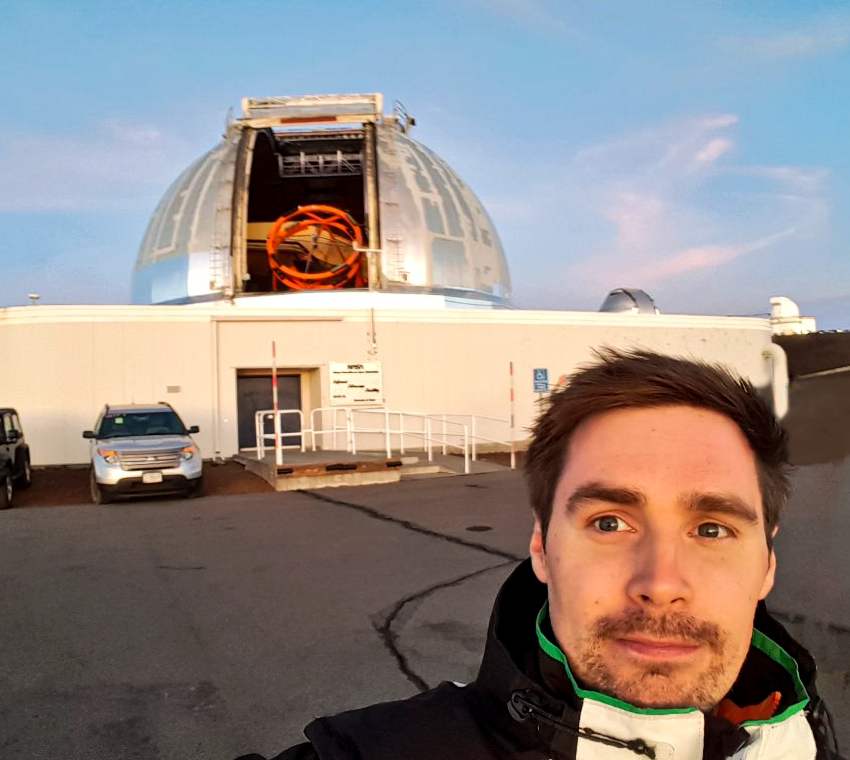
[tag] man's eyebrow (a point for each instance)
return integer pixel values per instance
(724, 504)
(600, 492)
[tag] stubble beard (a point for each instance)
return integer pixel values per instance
(656, 684)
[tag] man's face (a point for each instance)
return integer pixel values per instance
(656, 555)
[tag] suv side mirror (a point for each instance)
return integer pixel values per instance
(12, 436)
(194, 429)
(88, 434)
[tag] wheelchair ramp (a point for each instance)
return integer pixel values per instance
(329, 469)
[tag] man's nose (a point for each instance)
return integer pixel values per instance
(659, 576)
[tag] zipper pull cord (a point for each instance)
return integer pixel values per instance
(522, 709)
(823, 724)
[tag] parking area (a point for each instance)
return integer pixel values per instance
(207, 628)
(69, 486)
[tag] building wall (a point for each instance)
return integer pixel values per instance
(63, 363)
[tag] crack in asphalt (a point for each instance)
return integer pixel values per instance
(383, 625)
(414, 527)
(390, 637)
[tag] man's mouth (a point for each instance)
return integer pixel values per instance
(657, 648)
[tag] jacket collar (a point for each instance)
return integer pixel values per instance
(768, 668)
(520, 671)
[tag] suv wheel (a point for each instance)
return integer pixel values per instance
(97, 494)
(25, 478)
(7, 491)
(196, 489)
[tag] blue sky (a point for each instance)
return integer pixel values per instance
(697, 150)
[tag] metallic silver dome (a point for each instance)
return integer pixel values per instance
(630, 301)
(423, 228)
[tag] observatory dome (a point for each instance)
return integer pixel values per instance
(319, 193)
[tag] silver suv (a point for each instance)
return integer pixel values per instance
(143, 449)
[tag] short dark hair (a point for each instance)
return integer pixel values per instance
(638, 379)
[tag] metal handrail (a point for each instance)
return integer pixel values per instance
(428, 435)
(448, 429)
(474, 436)
(334, 410)
(262, 436)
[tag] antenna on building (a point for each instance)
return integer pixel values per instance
(404, 120)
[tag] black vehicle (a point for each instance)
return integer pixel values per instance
(15, 471)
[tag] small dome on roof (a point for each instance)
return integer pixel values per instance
(629, 300)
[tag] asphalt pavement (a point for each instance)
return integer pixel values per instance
(218, 626)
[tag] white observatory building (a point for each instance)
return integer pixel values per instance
(319, 226)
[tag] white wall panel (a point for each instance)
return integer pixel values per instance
(61, 364)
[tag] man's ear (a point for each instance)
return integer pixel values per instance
(771, 571)
(538, 553)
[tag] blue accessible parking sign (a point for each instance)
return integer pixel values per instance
(541, 380)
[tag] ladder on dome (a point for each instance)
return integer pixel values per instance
(219, 262)
(389, 180)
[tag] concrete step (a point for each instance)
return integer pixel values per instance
(453, 465)
(336, 479)
(418, 472)
(420, 469)
(328, 469)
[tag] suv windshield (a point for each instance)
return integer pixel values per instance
(134, 424)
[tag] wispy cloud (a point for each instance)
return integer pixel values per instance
(636, 216)
(818, 40)
(678, 204)
(705, 257)
(713, 150)
(805, 180)
(118, 167)
(664, 153)
(143, 135)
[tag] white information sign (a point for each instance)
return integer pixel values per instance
(356, 384)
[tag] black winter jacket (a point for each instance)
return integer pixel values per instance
(522, 705)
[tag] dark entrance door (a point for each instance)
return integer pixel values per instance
(253, 393)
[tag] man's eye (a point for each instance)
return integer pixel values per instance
(610, 524)
(713, 530)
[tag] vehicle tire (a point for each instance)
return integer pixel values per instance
(98, 496)
(25, 478)
(7, 491)
(196, 489)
